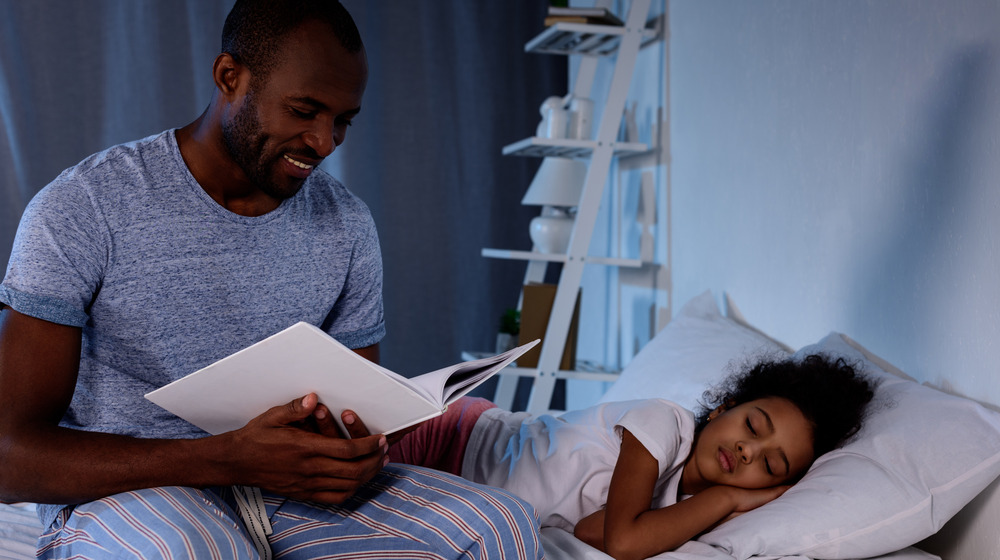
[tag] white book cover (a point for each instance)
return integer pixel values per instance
(303, 359)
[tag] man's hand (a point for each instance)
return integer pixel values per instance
(276, 453)
(322, 422)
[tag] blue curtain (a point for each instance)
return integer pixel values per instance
(449, 86)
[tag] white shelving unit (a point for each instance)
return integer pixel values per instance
(591, 43)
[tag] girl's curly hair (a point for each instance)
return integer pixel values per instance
(830, 393)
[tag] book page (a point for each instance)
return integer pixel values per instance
(302, 359)
(445, 385)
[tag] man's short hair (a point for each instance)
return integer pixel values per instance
(254, 29)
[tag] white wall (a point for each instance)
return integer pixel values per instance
(836, 166)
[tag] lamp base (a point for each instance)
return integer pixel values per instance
(551, 231)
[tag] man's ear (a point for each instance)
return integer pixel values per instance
(229, 75)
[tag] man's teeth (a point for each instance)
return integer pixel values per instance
(298, 163)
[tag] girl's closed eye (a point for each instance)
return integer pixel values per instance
(750, 427)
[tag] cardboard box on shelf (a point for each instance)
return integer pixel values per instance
(536, 306)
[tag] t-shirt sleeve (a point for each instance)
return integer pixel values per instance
(659, 425)
(359, 309)
(58, 256)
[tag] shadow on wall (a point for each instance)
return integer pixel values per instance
(917, 253)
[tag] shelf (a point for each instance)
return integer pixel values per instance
(566, 147)
(563, 374)
(585, 369)
(560, 258)
(581, 38)
(619, 45)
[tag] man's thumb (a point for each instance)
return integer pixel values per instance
(297, 410)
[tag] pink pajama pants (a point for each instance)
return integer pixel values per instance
(440, 442)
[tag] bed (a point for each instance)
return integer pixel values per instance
(923, 458)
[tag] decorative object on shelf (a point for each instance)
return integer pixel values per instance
(556, 187)
(581, 116)
(566, 117)
(510, 327)
(551, 230)
(555, 118)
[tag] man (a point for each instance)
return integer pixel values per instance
(152, 259)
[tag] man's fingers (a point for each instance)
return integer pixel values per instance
(325, 423)
(291, 412)
(398, 435)
(355, 427)
(358, 431)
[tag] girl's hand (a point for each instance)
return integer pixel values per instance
(747, 499)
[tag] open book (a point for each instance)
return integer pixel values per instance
(303, 359)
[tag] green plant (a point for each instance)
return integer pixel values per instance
(510, 322)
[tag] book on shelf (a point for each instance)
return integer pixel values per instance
(304, 359)
(598, 16)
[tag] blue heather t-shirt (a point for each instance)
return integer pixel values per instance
(164, 281)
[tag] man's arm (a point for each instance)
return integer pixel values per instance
(42, 462)
(369, 353)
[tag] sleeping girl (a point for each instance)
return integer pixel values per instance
(638, 478)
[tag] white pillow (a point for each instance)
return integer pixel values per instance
(920, 457)
(691, 353)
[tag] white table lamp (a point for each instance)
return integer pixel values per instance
(556, 188)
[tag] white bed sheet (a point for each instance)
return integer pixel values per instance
(19, 530)
(560, 545)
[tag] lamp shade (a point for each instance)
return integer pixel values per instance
(558, 182)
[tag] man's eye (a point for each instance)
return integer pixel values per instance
(344, 122)
(303, 114)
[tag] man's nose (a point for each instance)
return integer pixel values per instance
(322, 138)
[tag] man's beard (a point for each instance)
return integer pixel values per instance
(245, 143)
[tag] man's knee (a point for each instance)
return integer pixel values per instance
(486, 520)
(168, 522)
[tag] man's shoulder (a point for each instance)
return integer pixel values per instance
(109, 177)
(127, 156)
(327, 190)
(119, 168)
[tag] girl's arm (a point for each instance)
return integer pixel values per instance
(629, 529)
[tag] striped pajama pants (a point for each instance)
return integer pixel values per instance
(404, 512)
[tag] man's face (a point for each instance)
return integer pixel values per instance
(297, 115)
(759, 444)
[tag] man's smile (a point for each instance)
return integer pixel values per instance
(298, 163)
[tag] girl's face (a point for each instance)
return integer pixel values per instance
(758, 444)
